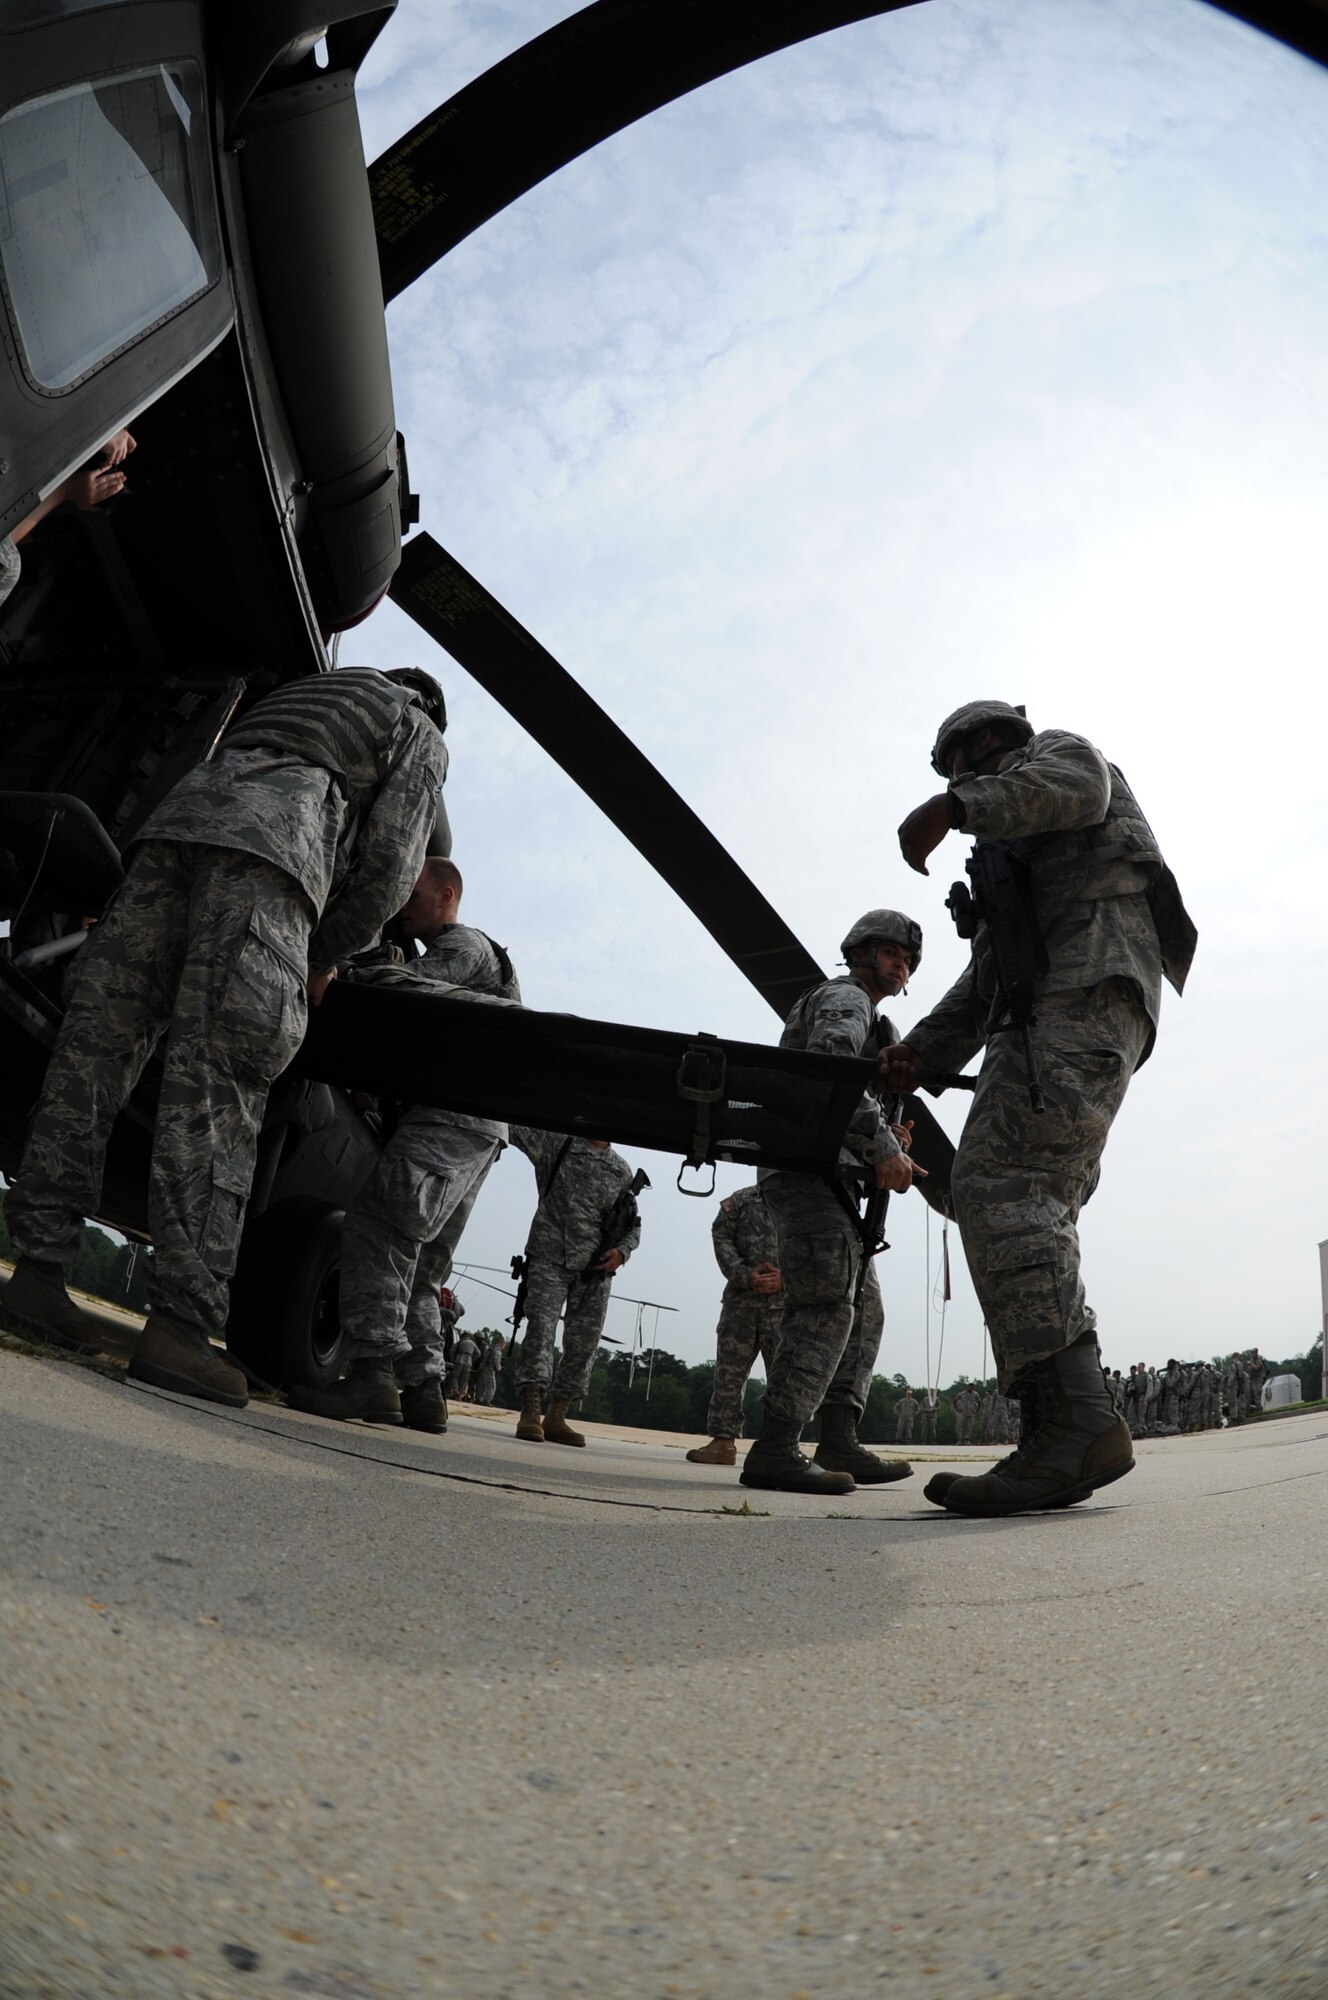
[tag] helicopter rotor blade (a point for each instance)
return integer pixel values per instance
(466, 621)
(461, 616)
(585, 79)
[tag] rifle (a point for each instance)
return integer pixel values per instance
(521, 1272)
(616, 1225)
(1002, 899)
(871, 1223)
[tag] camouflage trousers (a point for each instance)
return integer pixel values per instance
(928, 1418)
(206, 949)
(964, 1428)
(552, 1289)
(904, 1424)
(826, 1351)
(1021, 1176)
(401, 1232)
(748, 1326)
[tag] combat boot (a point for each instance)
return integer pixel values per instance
(557, 1430)
(1026, 1392)
(839, 1450)
(774, 1462)
(37, 1298)
(368, 1392)
(423, 1407)
(528, 1423)
(177, 1357)
(1079, 1444)
(719, 1451)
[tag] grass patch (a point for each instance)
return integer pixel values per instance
(744, 1513)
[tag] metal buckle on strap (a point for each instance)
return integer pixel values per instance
(702, 1082)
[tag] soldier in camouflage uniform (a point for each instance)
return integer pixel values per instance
(403, 1226)
(1111, 922)
(905, 1411)
(928, 1412)
(1169, 1389)
(264, 867)
(568, 1271)
(746, 1246)
(827, 1343)
(1256, 1374)
(486, 1375)
(966, 1406)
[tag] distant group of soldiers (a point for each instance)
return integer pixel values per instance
(981, 1415)
(1189, 1396)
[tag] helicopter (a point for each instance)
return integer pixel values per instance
(193, 244)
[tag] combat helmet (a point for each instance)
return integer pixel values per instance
(426, 687)
(972, 716)
(891, 927)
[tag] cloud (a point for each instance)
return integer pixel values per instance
(971, 348)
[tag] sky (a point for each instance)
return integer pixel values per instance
(974, 350)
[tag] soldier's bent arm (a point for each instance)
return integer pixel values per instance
(955, 1029)
(391, 845)
(1059, 784)
(722, 1231)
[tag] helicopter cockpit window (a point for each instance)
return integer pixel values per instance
(106, 219)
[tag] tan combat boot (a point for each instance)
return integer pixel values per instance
(719, 1451)
(557, 1430)
(528, 1424)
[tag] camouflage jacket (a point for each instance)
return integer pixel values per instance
(575, 1201)
(10, 566)
(838, 1019)
(1095, 916)
(744, 1235)
(464, 964)
(297, 815)
(967, 1403)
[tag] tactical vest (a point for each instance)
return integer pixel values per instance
(345, 722)
(1117, 857)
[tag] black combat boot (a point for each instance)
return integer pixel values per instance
(423, 1407)
(37, 1299)
(1025, 1389)
(774, 1461)
(1079, 1442)
(368, 1392)
(839, 1450)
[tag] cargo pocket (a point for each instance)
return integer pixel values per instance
(225, 1217)
(1028, 1285)
(263, 1016)
(818, 1270)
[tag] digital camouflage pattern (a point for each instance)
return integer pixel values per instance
(827, 1350)
(335, 781)
(1020, 1177)
(403, 1227)
(743, 1234)
(564, 1236)
(208, 949)
(11, 566)
(389, 1299)
(966, 1407)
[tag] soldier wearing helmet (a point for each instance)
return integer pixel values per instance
(828, 1344)
(1111, 923)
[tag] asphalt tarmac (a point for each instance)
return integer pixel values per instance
(293, 1708)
